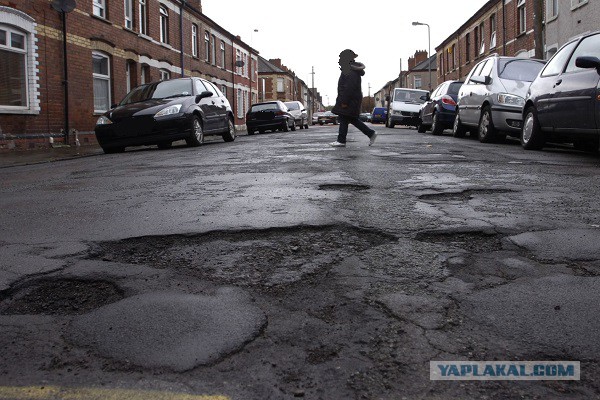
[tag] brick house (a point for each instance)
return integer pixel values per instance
(112, 46)
(417, 76)
(566, 19)
(499, 26)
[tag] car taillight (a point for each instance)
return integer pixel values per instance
(448, 100)
(279, 113)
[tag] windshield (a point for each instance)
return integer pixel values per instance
(264, 107)
(159, 90)
(409, 96)
(454, 87)
(519, 70)
(292, 106)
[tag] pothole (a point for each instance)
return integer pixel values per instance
(349, 187)
(59, 297)
(464, 195)
(268, 257)
(472, 241)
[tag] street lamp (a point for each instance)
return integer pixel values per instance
(429, 50)
(252, 37)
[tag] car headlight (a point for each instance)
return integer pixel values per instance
(510, 99)
(168, 111)
(103, 121)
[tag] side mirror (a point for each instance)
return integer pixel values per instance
(587, 62)
(486, 80)
(203, 95)
(425, 97)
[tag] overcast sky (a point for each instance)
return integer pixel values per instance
(307, 33)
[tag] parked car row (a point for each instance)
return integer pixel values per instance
(535, 101)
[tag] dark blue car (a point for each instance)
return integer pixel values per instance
(379, 115)
(439, 110)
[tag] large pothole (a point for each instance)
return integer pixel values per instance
(346, 187)
(59, 297)
(464, 195)
(471, 241)
(263, 257)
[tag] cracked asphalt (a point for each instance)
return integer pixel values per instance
(276, 267)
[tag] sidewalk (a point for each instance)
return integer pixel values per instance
(25, 157)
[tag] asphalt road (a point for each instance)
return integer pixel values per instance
(276, 267)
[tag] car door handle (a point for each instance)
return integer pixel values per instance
(558, 82)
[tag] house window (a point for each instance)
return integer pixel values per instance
(213, 46)
(13, 64)
(194, 40)
(164, 24)
(453, 56)
(164, 74)
(222, 54)
(493, 31)
(481, 44)
(207, 46)
(101, 74)
(128, 77)
(551, 8)
(521, 17)
(224, 90)
(577, 3)
(143, 17)
(128, 7)
(145, 77)
(418, 84)
(468, 46)
(280, 88)
(240, 104)
(252, 69)
(100, 8)
(237, 59)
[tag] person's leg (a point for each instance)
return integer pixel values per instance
(361, 126)
(343, 131)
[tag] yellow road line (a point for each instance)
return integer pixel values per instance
(63, 393)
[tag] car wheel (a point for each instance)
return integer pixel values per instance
(532, 137)
(458, 129)
(165, 145)
(436, 127)
(390, 123)
(113, 150)
(229, 134)
(250, 131)
(261, 131)
(320, 123)
(420, 127)
(286, 126)
(293, 127)
(301, 124)
(486, 130)
(306, 125)
(196, 137)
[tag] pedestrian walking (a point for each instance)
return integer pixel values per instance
(349, 99)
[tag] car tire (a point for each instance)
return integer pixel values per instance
(293, 127)
(306, 125)
(436, 127)
(420, 127)
(165, 145)
(261, 131)
(113, 150)
(458, 129)
(286, 126)
(320, 123)
(486, 130)
(196, 137)
(389, 123)
(250, 132)
(532, 137)
(229, 134)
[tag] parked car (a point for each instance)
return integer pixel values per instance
(328, 118)
(439, 110)
(162, 112)
(493, 95)
(298, 110)
(379, 115)
(365, 117)
(269, 115)
(562, 103)
(315, 117)
(405, 105)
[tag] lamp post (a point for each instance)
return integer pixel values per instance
(252, 37)
(429, 49)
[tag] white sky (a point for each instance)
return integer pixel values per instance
(308, 33)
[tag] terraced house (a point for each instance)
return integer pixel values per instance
(54, 90)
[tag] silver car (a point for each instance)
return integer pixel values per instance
(298, 110)
(493, 95)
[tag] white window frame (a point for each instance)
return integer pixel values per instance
(481, 44)
(106, 78)
(206, 46)
(551, 9)
(493, 31)
(164, 24)
(280, 85)
(127, 77)
(143, 77)
(417, 82)
(24, 52)
(194, 40)
(224, 90)
(222, 54)
(213, 49)
(164, 74)
(143, 17)
(521, 17)
(128, 11)
(238, 57)
(240, 103)
(99, 8)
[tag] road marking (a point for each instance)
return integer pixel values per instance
(63, 393)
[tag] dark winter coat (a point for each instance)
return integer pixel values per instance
(349, 98)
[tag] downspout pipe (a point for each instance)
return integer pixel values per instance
(181, 7)
(66, 76)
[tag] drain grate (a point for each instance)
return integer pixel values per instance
(59, 297)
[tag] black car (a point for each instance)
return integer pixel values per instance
(439, 110)
(159, 113)
(270, 115)
(328, 118)
(562, 104)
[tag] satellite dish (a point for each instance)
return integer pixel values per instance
(65, 6)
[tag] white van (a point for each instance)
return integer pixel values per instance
(405, 105)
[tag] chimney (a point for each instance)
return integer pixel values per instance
(196, 4)
(411, 63)
(277, 62)
(420, 56)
